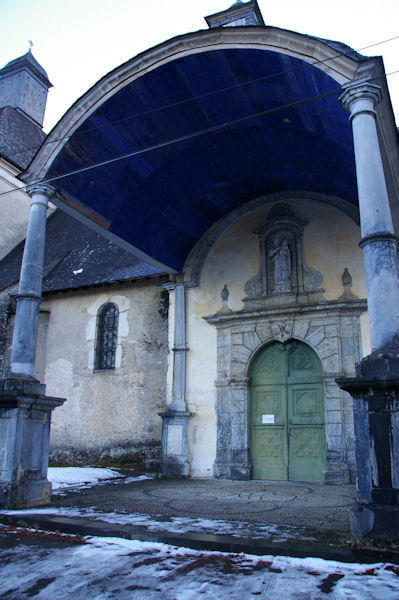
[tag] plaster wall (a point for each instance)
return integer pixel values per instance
(330, 244)
(15, 205)
(110, 414)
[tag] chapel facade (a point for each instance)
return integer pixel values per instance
(216, 290)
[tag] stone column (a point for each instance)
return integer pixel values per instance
(375, 389)
(25, 410)
(30, 284)
(378, 239)
(175, 461)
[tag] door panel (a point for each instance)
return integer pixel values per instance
(269, 400)
(306, 453)
(287, 414)
(269, 447)
(271, 453)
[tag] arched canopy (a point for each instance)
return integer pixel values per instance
(196, 127)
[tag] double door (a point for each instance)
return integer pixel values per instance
(287, 414)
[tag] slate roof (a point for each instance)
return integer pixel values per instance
(20, 138)
(341, 48)
(27, 60)
(76, 256)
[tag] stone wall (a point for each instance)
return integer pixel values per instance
(110, 416)
(332, 330)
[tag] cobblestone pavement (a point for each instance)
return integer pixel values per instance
(320, 507)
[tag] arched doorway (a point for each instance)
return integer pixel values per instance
(287, 413)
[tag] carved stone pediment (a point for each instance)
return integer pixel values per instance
(283, 276)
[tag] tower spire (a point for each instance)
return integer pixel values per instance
(239, 14)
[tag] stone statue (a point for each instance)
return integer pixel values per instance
(281, 258)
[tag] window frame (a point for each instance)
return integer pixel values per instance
(106, 337)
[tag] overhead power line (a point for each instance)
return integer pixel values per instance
(199, 97)
(201, 132)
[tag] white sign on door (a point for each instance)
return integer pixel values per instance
(267, 419)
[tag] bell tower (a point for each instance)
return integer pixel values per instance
(239, 14)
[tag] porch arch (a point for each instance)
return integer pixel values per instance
(164, 146)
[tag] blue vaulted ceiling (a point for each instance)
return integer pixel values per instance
(163, 200)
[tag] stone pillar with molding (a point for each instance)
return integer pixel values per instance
(175, 462)
(25, 410)
(375, 388)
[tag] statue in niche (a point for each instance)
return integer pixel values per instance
(281, 258)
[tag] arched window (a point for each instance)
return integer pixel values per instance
(107, 333)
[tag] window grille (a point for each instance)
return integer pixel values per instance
(107, 334)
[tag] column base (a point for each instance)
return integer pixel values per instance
(375, 390)
(374, 525)
(24, 494)
(174, 459)
(240, 472)
(336, 476)
(173, 466)
(25, 415)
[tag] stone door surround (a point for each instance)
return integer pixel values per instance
(332, 330)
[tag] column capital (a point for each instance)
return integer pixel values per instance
(360, 90)
(40, 188)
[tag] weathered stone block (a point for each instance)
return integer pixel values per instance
(243, 328)
(238, 417)
(349, 416)
(251, 340)
(335, 456)
(264, 332)
(236, 338)
(238, 435)
(223, 360)
(223, 341)
(331, 390)
(240, 473)
(238, 400)
(334, 442)
(315, 336)
(332, 364)
(223, 401)
(331, 330)
(240, 354)
(237, 368)
(333, 404)
(346, 329)
(334, 416)
(301, 328)
(334, 430)
(328, 347)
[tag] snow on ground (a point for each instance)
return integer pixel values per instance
(113, 568)
(49, 566)
(181, 525)
(84, 477)
(79, 477)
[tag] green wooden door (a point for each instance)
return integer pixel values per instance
(287, 414)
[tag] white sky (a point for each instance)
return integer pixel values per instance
(79, 41)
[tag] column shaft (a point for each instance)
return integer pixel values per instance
(179, 349)
(378, 240)
(30, 285)
(175, 462)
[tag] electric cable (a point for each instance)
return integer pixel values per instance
(190, 136)
(199, 97)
